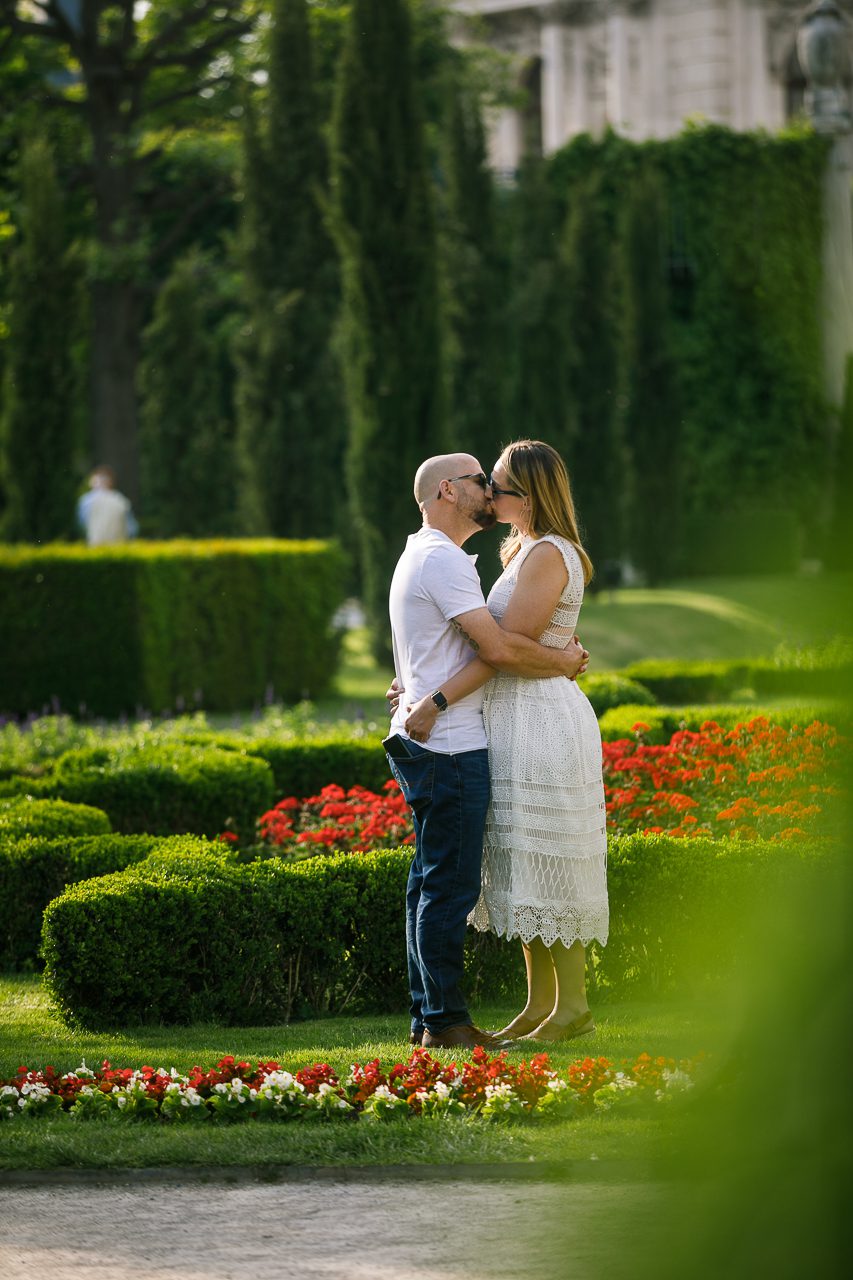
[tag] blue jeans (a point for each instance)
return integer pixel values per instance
(448, 796)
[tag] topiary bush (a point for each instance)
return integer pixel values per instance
(169, 788)
(35, 870)
(160, 625)
(24, 816)
(610, 689)
(266, 941)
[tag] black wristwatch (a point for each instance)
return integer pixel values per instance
(440, 700)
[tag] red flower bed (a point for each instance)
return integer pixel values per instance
(354, 821)
(756, 780)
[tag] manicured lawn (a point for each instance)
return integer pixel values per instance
(715, 618)
(30, 1034)
(695, 618)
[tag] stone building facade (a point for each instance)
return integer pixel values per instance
(642, 67)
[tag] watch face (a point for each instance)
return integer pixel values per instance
(440, 701)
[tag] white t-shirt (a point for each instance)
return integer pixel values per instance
(105, 516)
(434, 582)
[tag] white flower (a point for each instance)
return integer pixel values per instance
(500, 1097)
(557, 1085)
(676, 1081)
(121, 1100)
(441, 1090)
(384, 1093)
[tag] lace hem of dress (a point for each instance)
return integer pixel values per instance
(509, 920)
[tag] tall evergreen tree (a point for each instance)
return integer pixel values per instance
(291, 431)
(475, 283)
(185, 420)
(648, 382)
(595, 459)
(37, 428)
(539, 395)
(382, 211)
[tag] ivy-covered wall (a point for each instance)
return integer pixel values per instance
(739, 241)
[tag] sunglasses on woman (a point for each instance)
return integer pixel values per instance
(498, 492)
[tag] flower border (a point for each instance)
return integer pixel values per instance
(488, 1087)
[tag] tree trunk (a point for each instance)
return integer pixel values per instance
(115, 354)
(116, 291)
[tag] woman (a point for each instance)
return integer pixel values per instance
(544, 860)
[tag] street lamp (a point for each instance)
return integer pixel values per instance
(824, 54)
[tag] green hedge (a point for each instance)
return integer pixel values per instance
(168, 788)
(673, 682)
(663, 722)
(611, 689)
(194, 939)
(163, 625)
(24, 816)
(35, 870)
(302, 768)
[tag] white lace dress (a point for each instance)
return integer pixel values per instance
(545, 854)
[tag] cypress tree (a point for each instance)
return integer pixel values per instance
(595, 456)
(475, 283)
(290, 420)
(185, 421)
(37, 429)
(391, 328)
(539, 394)
(651, 414)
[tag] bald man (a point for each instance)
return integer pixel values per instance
(438, 617)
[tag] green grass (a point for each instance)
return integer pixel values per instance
(30, 1034)
(712, 618)
(689, 619)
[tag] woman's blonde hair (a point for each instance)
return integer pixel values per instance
(538, 472)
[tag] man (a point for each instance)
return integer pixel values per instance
(437, 614)
(103, 513)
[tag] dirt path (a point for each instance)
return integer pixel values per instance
(323, 1231)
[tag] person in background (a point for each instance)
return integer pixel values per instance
(104, 514)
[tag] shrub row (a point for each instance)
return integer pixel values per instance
(161, 625)
(34, 870)
(24, 816)
(663, 722)
(197, 937)
(161, 789)
(675, 682)
(611, 689)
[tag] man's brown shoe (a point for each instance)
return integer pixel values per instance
(462, 1036)
(415, 1037)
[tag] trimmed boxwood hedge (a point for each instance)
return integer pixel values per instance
(608, 689)
(170, 788)
(204, 938)
(24, 816)
(35, 870)
(303, 768)
(674, 682)
(160, 625)
(663, 722)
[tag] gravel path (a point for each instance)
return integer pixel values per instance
(324, 1230)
